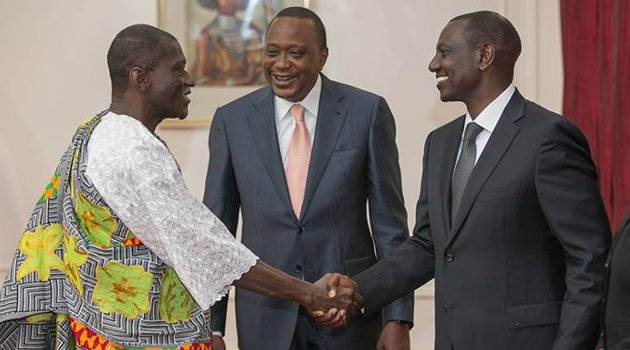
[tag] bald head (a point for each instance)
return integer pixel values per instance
(139, 45)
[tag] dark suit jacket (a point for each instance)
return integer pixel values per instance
(354, 160)
(522, 266)
(617, 308)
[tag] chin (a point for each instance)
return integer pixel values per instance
(181, 115)
(444, 97)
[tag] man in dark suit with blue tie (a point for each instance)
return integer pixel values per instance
(302, 159)
(510, 222)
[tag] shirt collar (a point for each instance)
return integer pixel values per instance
(489, 117)
(310, 102)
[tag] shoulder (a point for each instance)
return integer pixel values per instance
(546, 122)
(250, 98)
(244, 103)
(120, 136)
(349, 92)
(541, 115)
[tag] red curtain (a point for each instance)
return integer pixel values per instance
(596, 50)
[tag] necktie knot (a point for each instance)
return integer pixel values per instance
(297, 111)
(472, 131)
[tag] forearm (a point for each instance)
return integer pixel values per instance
(265, 280)
(409, 267)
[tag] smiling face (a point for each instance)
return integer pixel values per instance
(168, 92)
(293, 57)
(455, 64)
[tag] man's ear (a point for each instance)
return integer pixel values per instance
(139, 78)
(487, 51)
(323, 58)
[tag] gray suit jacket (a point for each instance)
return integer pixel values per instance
(354, 161)
(522, 266)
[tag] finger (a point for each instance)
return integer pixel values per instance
(317, 313)
(332, 285)
(325, 318)
(338, 321)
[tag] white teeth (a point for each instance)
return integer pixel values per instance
(442, 78)
(279, 78)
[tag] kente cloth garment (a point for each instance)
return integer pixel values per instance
(117, 253)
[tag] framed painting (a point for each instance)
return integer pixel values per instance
(223, 43)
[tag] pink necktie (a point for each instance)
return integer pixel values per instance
(299, 157)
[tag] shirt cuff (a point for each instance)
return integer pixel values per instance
(217, 333)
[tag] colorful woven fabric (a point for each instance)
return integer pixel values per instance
(88, 339)
(81, 279)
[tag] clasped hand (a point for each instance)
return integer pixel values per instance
(336, 300)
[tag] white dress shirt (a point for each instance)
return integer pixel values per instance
(285, 122)
(487, 119)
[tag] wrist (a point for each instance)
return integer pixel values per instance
(305, 293)
(403, 323)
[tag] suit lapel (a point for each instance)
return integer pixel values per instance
(497, 145)
(330, 118)
(450, 147)
(263, 127)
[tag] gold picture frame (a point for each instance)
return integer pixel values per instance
(223, 46)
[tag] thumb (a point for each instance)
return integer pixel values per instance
(332, 285)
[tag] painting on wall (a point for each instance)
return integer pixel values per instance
(223, 43)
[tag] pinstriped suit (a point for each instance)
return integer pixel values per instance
(354, 161)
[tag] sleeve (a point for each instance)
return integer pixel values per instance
(222, 197)
(407, 267)
(388, 217)
(566, 185)
(140, 180)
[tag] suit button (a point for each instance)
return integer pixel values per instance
(301, 229)
(445, 307)
(298, 268)
(450, 257)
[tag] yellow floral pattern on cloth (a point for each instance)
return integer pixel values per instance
(73, 258)
(122, 289)
(51, 190)
(176, 303)
(95, 221)
(39, 247)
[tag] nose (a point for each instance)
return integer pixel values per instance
(189, 81)
(281, 61)
(434, 65)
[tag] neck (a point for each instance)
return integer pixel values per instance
(136, 111)
(476, 104)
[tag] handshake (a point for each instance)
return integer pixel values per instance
(335, 299)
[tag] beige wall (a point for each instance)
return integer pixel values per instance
(54, 74)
